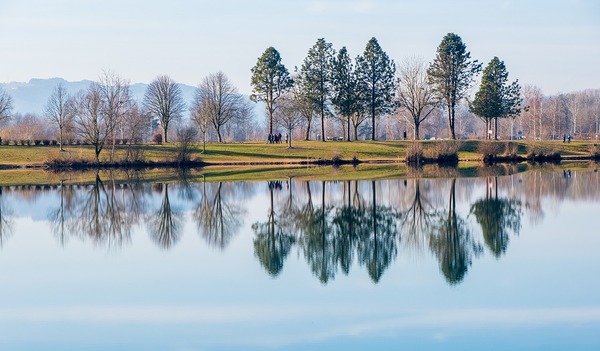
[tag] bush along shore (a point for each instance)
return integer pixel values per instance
(446, 152)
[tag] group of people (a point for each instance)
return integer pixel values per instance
(276, 138)
(567, 138)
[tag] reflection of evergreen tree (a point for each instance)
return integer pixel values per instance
(317, 238)
(271, 244)
(378, 248)
(452, 243)
(497, 217)
(165, 225)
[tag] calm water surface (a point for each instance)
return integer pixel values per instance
(494, 263)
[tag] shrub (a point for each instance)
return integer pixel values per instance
(594, 151)
(446, 151)
(37, 142)
(543, 151)
(489, 150)
(336, 158)
(511, 149)
(157, 138)
(414, 152)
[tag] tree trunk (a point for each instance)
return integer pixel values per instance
(165, 128)
(307, 131)
(496, 128)
(451, 121)
(355, 132)
(487, 128)
(416, 131)
(373, 123)
(219, 135)
(60, 139)
(290, 138)
(322, 123)
(348, 129)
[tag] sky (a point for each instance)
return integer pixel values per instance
(554, 44)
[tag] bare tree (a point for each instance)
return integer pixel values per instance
(200, 115)
(288, 115)
(60, 110)
(164, 101)
(414, 93)
(6, 105)
(220, 101)
(90, 123)
(116, 102)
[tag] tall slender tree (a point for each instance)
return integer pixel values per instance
(270, 79)
(376, 81)
(344, 87)
(164, 101)
(315, 78)
(496, 98)
(58, 112)
(451, 74)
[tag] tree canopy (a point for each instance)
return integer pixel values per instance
(451, 74)
(376, 81)
(269, 80)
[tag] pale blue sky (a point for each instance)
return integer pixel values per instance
(554, 43)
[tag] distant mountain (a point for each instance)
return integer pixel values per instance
(31, 97)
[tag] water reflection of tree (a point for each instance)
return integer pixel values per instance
(417, 218)
(497, 217)
(164, 227)
(100, 216)
(5, 222)
(451, 241)
(378, 248)
(272, 242)
(217, 217)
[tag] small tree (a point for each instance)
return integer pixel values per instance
(496, 98)
(376, 81)
(200, 115)
(451, 74)
(90, 124)
(414, 94)
(164, 101)
(60, 110)
(288, 115)
(6, 105)
(270, 79)
(220, 101)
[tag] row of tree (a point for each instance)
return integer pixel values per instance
(330, 84)
(332, 91)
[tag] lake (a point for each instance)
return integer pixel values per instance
(480, 263)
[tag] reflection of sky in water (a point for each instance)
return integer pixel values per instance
(541, 293)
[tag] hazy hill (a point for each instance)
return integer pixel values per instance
(33, 95)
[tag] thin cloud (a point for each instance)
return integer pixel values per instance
(332, 7)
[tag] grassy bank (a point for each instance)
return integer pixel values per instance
(261, 153)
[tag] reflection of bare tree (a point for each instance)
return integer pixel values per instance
(59, 216)
(5, 222)
(451, 241)
(378, 248)
(101, 216)
(271, 243)
(165, 226)
(417, 218)
(497, 217)
(218, 219)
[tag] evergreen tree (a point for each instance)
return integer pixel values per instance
(269, 80)
(496, 98)
(344, 87)
(315, 78)
(376, 81)
(451, 74)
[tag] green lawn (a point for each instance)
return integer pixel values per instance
(261, 153)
